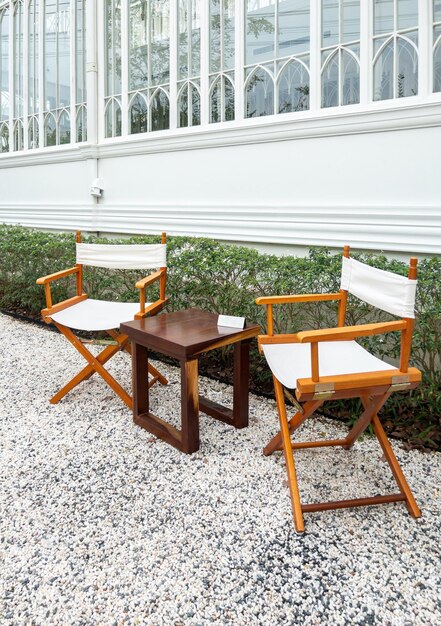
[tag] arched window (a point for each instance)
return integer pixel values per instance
(222, 59)
(63, 134)
(189, 105)
(160, 110)
(4, 137)
(50, 130)
(395, 60)
(33, 133)
(259, 93)
(277, 45)
(293, 86)
(222, 99)
(138, 115)
(340, 52)
(81, 124)
(112, 118)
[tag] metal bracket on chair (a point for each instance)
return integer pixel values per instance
(323, 391)
(400, 382)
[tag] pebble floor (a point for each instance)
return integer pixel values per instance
(102, 524)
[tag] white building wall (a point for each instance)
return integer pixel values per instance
(369, 180)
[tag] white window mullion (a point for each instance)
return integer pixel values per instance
(11, 75)
(25, 74)
(124, 67)
(239, 72)
(41, 76)
(92, 97)
(425, 56)
(315, 43)
(205, 45)
(73, 77)
(102, 69)
(173, 64)
(366, 48)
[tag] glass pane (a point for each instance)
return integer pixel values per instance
(437, 68)
(183, 107)
(437, 10)
(183, 38)
(293, 27)
(260, 34)
(228, 100)
(138, 38)
(113, 47)
(407, 13)
(294, 88)
(160, 42)
(138, 115)
(63, 25)
(215, 35)
(351, 21)
(350, 79)
(4, 70)
(33, 58)
(160, 107)
(383, 73)
(330, 22)
(4, 138)
(384, 16)
(228, 35)
(330, 95)
(81, 52)
(50, 131)
(18, 136)
(64, 127)
(195, 38)
(50, 61)
(260, 94)
(216, 103)
(195, 106)
(407, 65)
(33, 134)
(82, 124)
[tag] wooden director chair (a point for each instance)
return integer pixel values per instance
(83, 313)
(328, 364)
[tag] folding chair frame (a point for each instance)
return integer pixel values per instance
(96, 363)
(372, 388)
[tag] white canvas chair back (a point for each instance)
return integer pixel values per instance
(385, 290)
(122, 257)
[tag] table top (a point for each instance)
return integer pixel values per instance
(185, 333)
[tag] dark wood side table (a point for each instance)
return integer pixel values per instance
(185, 335)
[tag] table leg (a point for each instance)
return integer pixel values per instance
(140, 376)
(241, 383)
(189, 406)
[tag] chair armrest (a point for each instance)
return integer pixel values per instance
(346, 333)
(144, 282)
(307, 297)
(44, 280)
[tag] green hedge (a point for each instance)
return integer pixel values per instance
(224, 278)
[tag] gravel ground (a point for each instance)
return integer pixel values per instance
(103, 524)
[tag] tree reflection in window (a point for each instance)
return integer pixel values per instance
(259, 94)
(293, 84)
(160, 110)
(138, 115)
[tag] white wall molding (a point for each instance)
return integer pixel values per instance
(253, 131)
(413, 229)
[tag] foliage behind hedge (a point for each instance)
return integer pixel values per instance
(225, 278)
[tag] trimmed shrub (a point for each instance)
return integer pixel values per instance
(227, 279)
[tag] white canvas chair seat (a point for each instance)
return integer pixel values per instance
(291, 361)
(94, 315)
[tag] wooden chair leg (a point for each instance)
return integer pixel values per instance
(295, 422)
(289, 459)
(95, 364)
(390, 457)
(372, 407)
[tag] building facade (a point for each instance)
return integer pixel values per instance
(273, 122)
